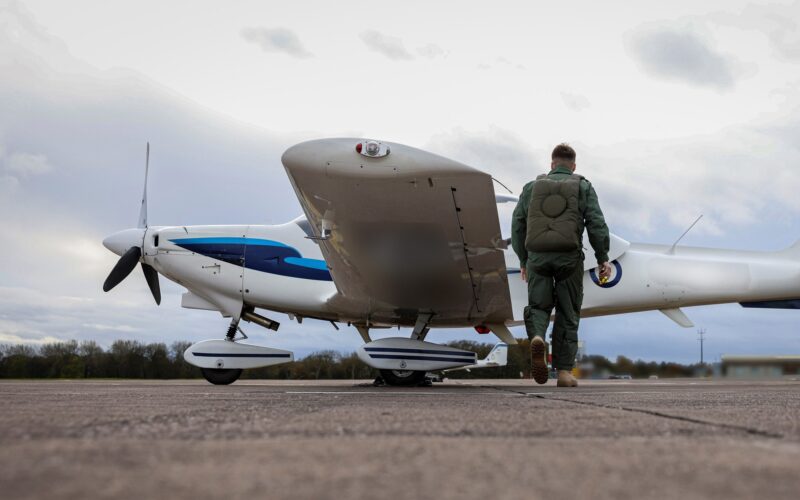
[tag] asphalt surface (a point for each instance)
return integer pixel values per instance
(473, 439)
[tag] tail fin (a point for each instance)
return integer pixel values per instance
(498, 356)
(793, 252)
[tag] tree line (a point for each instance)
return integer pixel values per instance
(134, 359)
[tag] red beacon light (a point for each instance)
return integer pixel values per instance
(482, 329)
(372, 149)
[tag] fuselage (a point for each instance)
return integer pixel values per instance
(281, 268)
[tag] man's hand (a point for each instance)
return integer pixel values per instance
(605, 270)
(524, 274)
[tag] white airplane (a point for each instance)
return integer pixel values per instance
(397, 236)
(498, 356)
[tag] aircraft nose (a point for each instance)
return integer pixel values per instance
(121, 241)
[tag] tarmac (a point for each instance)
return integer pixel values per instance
(347, 439)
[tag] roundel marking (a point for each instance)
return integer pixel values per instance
(610, 283)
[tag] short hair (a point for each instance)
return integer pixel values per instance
(563, 152)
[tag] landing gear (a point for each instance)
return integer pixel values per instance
(421, 327)
(410, 377)
(232, 330)
(221, 376)
(404, 378)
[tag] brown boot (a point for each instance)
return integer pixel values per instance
(539, 360)
(565, 379)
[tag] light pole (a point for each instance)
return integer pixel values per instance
(701, 334)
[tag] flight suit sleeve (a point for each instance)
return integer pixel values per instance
(519, 224)
(596, 225)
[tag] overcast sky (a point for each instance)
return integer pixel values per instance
(675, 108)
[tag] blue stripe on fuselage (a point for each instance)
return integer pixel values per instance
(308, 263)
(773, 304)
(227, 240)
(267, 256)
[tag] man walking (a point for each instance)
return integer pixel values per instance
(547, 236)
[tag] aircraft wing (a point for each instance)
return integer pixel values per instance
(405, 233)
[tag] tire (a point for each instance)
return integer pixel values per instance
(403, 377)
(221, 376)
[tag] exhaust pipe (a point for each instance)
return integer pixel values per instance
(260, 320)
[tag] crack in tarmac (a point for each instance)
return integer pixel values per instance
(654, 413)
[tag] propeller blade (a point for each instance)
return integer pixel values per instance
(123, 268)
(143, 209)
(151, 275)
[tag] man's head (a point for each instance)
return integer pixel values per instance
(563, 155)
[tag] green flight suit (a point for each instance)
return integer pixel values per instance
(566, 292)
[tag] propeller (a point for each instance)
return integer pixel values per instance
(131, 241)
(151, 275)
(123, 268)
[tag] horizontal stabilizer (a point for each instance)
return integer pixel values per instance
(505, 198)
(678, 316)
(773, 304)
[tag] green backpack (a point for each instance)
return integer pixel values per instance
(554, 219)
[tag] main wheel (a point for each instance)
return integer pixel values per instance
(403, 377)
(221, 376)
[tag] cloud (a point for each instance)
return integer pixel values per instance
(389, 46)
(778, 22)
(505, 155)
(657, 188)
(88, 182)
(7, 338)
(431, 51)
(575, 102)
(500, 62)
(680, 54)
(25, 164)
(18, 166)
(277, 40)
(54, 219)
(64, 187)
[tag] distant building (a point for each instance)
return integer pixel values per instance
(760, 366)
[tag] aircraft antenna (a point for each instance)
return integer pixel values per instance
(674, 245)
(510, 191)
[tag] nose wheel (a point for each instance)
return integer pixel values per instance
(221, 376)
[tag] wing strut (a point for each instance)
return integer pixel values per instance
(421, 327)
(503, 333)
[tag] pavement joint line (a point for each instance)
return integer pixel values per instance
(593, 393)
(722, 425)
(395, 393)
(654, 413)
